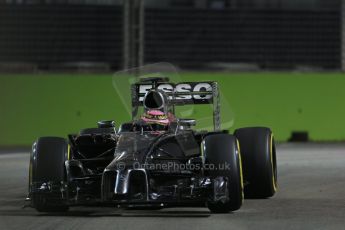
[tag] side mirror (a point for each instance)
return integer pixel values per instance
(106, 124)
(186, 122)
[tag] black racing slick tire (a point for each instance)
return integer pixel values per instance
(259, 161)
(47, 165)
(218, 150)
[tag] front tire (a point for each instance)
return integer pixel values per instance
(218, 150)
(47, 165)
(259, 161)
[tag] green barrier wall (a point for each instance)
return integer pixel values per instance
(57, 104)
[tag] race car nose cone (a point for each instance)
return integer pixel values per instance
(122, 179)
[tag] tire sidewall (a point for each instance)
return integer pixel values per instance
(259, 161)
(222, 149)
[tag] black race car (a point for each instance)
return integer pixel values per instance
(155, 164)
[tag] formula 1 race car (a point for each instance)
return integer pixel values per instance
(158, 160)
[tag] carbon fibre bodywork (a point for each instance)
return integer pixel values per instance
(148, 162)
(142, 164)
(136, 169)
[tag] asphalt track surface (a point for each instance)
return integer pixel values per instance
(311, 196)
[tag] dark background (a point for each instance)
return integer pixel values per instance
(50, 35)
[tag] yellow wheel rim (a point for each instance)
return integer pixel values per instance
(274, 181)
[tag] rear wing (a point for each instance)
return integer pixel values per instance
(183, 93)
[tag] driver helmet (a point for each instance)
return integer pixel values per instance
(154, 116)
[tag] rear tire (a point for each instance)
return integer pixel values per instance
(259, 161)
(47, 164)
(220, 149)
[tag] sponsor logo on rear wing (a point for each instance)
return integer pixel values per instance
(180, 93)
